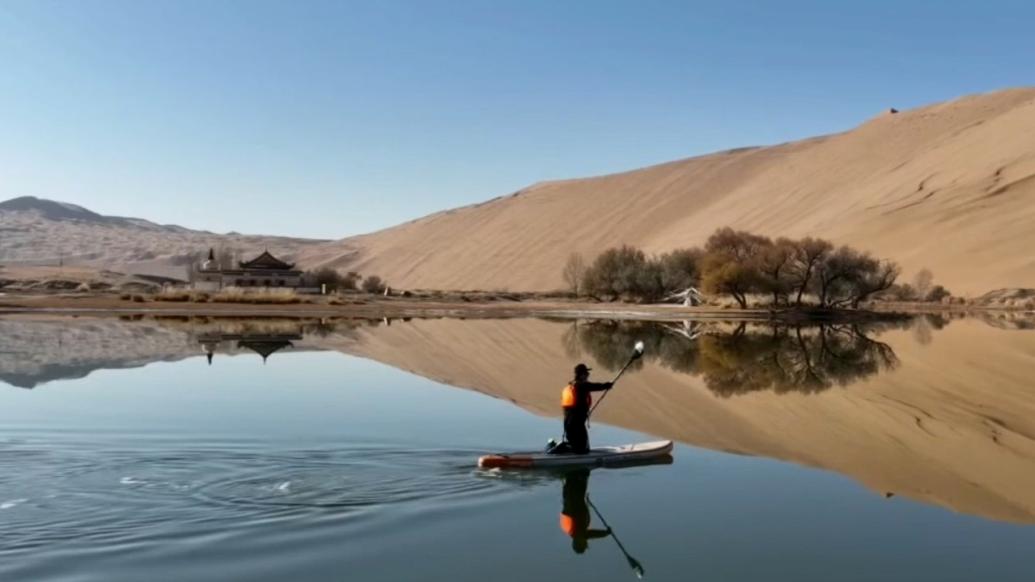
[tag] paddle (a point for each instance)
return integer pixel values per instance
(637, 352)
(637, 568)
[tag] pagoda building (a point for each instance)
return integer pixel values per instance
(264, 270)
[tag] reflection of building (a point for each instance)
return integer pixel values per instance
(264, 270)
(264, 344)
(265, 347)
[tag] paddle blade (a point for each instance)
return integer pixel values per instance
(638, 349)
(636, 567)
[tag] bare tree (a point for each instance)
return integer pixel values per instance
(623, 272)
(731, 263)
(808, 252)
(738, 245)
(922, 282)
(680, 269)
(872, 278)
(374, 284)
(325, 276)
(574, 272)
(225, 257)
(937, 294)
(775, 264)
(834, 275)
(848, 277)
(721, 275)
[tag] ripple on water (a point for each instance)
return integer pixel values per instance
(352, 479)
(121, 495)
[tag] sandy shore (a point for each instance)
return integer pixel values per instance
(393, 307)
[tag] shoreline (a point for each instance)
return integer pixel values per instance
(370, 307)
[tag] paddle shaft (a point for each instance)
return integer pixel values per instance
(633, 562)
(613, 382)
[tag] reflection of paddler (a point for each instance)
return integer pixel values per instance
(575, 515)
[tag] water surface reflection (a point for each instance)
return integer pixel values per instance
(741, 358)
(941, 409)
(328, 460)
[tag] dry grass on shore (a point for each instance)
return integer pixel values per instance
(263, 296)
(185, 295)
(228, 295)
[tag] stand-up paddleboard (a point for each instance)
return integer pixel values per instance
(594, 458)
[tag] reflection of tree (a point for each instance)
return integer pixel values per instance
(747, 358)
(570, 339)
(799, 359)
(610, 342)
(925, 324)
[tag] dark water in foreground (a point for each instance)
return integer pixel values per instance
(319, 465)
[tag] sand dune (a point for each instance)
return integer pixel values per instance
(950, 187)
(38, 232)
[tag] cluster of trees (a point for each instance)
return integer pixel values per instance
(627, 273)
(738, 264)
(922, 288)
(351, 281)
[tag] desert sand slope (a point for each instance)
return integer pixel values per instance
(39, 232)
(952, 424)
(950, 187)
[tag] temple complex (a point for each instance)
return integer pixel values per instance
(264, 270)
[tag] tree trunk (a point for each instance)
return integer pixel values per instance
(804, 283)
(741, 299)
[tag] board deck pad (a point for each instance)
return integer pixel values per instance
(596, 457)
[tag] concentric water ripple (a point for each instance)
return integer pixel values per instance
(71, 492)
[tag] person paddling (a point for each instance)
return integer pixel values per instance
(576, 399)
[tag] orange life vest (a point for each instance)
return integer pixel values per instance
(569, 395)
(567, 525)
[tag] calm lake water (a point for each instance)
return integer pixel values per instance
(206, 449)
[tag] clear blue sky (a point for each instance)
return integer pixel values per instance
(329, 119)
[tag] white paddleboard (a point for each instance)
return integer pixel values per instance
(594, 458)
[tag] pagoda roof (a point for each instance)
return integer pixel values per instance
(266, 261)
(264, 348)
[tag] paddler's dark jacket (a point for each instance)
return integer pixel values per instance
(582, 400)
(575, 516)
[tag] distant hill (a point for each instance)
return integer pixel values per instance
(64, 211)
(950, 187)
(52, 210)
(37, 231)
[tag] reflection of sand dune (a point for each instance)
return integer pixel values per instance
(954, 424)
(38, 350)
